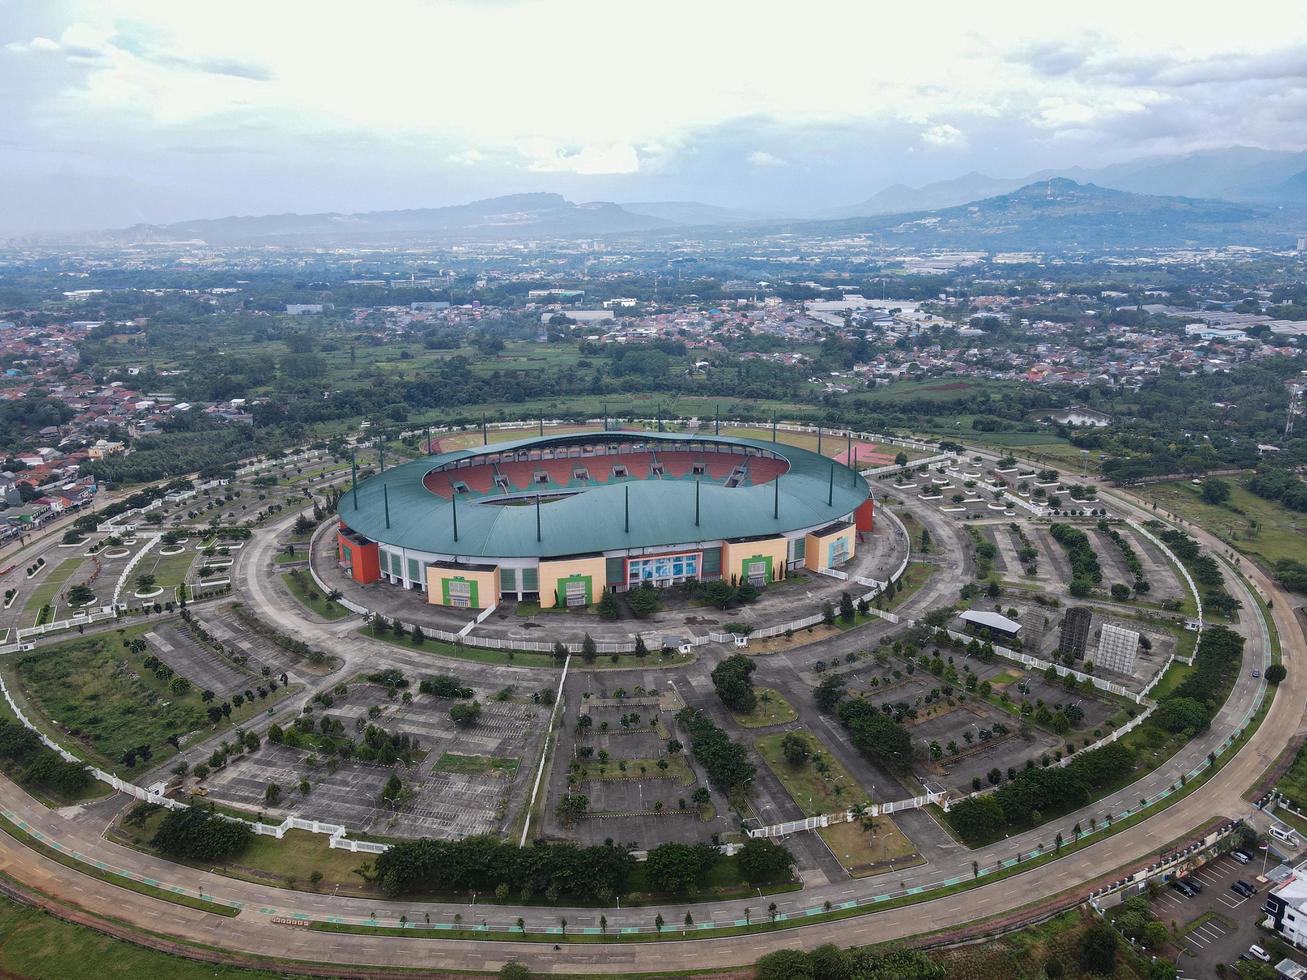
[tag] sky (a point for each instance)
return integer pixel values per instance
(116, 111)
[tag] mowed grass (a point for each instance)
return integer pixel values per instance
(473, 765)
(771, 709)
(303, 588)
(42, 947)
(1280, 533)
(98, 700)
(865, 850)
(49, 589)
(815, 792)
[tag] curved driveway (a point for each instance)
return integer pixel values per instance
(254, 932)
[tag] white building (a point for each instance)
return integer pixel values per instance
(1116, 649)
(1286, 904)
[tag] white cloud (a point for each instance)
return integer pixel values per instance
(945, 135)
(594, 158)
(761, 158)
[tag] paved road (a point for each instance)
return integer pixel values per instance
(252, 929)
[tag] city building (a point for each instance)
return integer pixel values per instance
(1286, 905)
(557, 519)
(1116, 649)
(1075, 632)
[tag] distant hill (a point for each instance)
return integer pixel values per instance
(515, 216)
(1237, 173)
(695, 213)
(899, 198)
(1062, 214)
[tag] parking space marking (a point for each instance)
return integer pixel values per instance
(1227, 901)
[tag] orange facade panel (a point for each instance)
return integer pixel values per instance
(359, 556)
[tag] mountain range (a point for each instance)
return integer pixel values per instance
(1237, 196)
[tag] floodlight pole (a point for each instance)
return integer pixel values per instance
(773, 426)
(385, 499)
(537, 517)
(485, 433)
(696, 503)
(830, 493)
(428, 440)
(454, 503)
(354, 476)
(542, 425)
(627, 488)
(776, 500)
(819, 440)
(717, 418)
(382, 443)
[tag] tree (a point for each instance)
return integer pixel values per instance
(784, 964)
(1215, 491)
(1180, 714)
(571, 808)
(795, 748)
(673, 867)
(731, 680)
(608, 607)
(1098, 950)
(762, 860)
(829, 693)
(901, 458)
(200, 834)
(641, 650)
(643, 601)
(145, 582)
(847, 613)
(588, 649)
(392, 792)
(465, 714)
(827, 614)
(1120, 591)
(80, 595)
(1276, 673)
(514, 971)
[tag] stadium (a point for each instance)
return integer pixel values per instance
(557, 519)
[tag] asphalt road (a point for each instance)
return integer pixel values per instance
(253, 930)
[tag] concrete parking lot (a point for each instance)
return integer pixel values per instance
(1218, 924)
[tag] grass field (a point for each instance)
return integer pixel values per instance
(479, 654)
(303, 588)
(1280, 532)
(475, 764)
(814, 792)
(866, 850)
(41, 947)
(771, 709)
(49, 589)
(917, 574)
(99, 700)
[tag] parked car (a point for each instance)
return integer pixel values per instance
(1256, 672)
(1240, 856)
(1257, 952)
(1182, 888)
(1243, 888)
(1193, 884)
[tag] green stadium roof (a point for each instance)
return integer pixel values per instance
(593, 519)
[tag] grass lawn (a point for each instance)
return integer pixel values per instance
(1293, 783)
(169, 571)
(303, 588)
(865, 852)
(98, 700)
(41, 947)
(49, 589)
(814, 792)
(677, 768)
(281, 558)
(917, 574)
(475, 764)
(483, 655)
(1281, 533)
(771, 709)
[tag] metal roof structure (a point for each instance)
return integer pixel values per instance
(396, 508)
(990, 620)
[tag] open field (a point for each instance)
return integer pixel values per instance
(303, 588)
(771, 709)
(1280, 532)
(814, 792)
(99, 699)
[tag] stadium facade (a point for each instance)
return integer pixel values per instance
(558, 519)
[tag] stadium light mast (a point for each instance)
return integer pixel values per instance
(354, 476)
(627, 488)
(819, 440)
(717, 418)
(485, 433)
(385, 500)
(605, 416)
(454, 503)
(428, 440)
(542, 425)
(537, 517)
(696, 503)
(776, 501)
(773, 426)
(830, 492)
(382, 443)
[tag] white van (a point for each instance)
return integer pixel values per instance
(1287, 836)
(1240, 856)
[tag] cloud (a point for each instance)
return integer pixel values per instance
(946, 136)
(140, 47)
(761, 158)
(594, 158)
